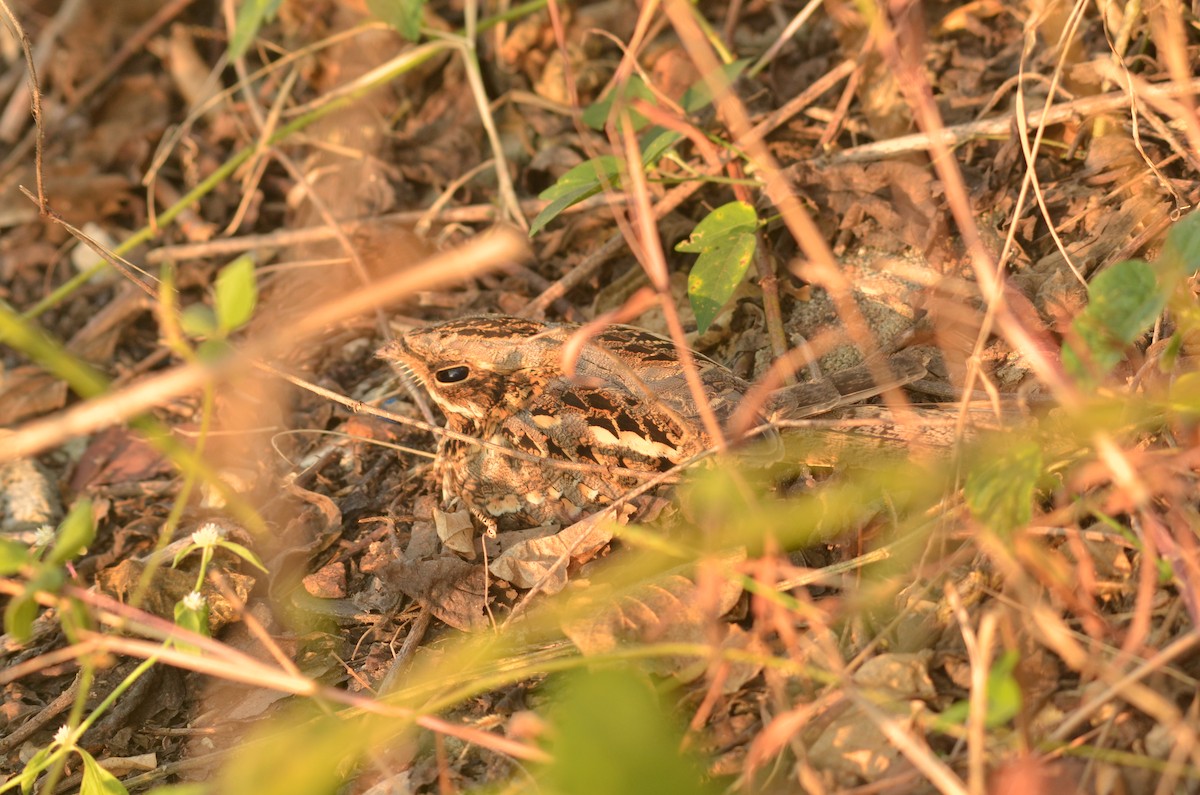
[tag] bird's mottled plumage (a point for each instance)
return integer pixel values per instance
(625, 411)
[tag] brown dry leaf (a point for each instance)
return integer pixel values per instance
(890, 206)
(740, 672)
(538, 560)
(423, 541)
(317, 513)
(970, 16)
(29, 391)
(456, 531)
(117, 455)
(128, 125)
(122, 766)
(97, 340)
(450, 587)
(672, 71)
(1112, 559)
(1027, 773)
(671, 609)
(226, 702)
(879, 95)
(188, 70)
(82, 195)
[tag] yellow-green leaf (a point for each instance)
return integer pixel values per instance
(725, 240)
(236, 294)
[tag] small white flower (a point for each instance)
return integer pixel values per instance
(208, 535)
(62, 735)
(194, 602)
(43, 537)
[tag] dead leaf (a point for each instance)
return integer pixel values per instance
(29, 391)
(456, 531)
(671, 609)
(117, 455)
(540, 560)
(449, 586)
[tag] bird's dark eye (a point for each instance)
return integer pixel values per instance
(452, 375)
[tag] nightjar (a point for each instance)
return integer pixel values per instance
(624, 415)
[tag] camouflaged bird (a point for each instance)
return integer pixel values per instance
(624, 415)
(625, 411)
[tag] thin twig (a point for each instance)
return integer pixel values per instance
(1002, 126)
(471, 214)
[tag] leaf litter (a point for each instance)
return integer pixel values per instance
(1032, 623)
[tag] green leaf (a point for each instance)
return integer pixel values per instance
(1123, 302)
(596, 115)
(19, 614)
(213, 350)
(250, 18)
(34, 767)
(243, 553)
(1004, 691)
(576, 185)
(586, 174)
(725, 240)
(999, 490)
(74, 534)
(22, 609)
(1004, 697)
(198, 320)
(698, 95)
(1181, 252)
(612, 735)
(236, 295)
(1125, 299)
(13, 555)
(192, 620)
(97, 780)
(656, 143)
(74, 617)
(1184, 397)
(403, 15)
(183, 553)
(584, 180)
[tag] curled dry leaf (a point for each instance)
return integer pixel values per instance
(542, 559)
(456, 531)
(672, 609)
